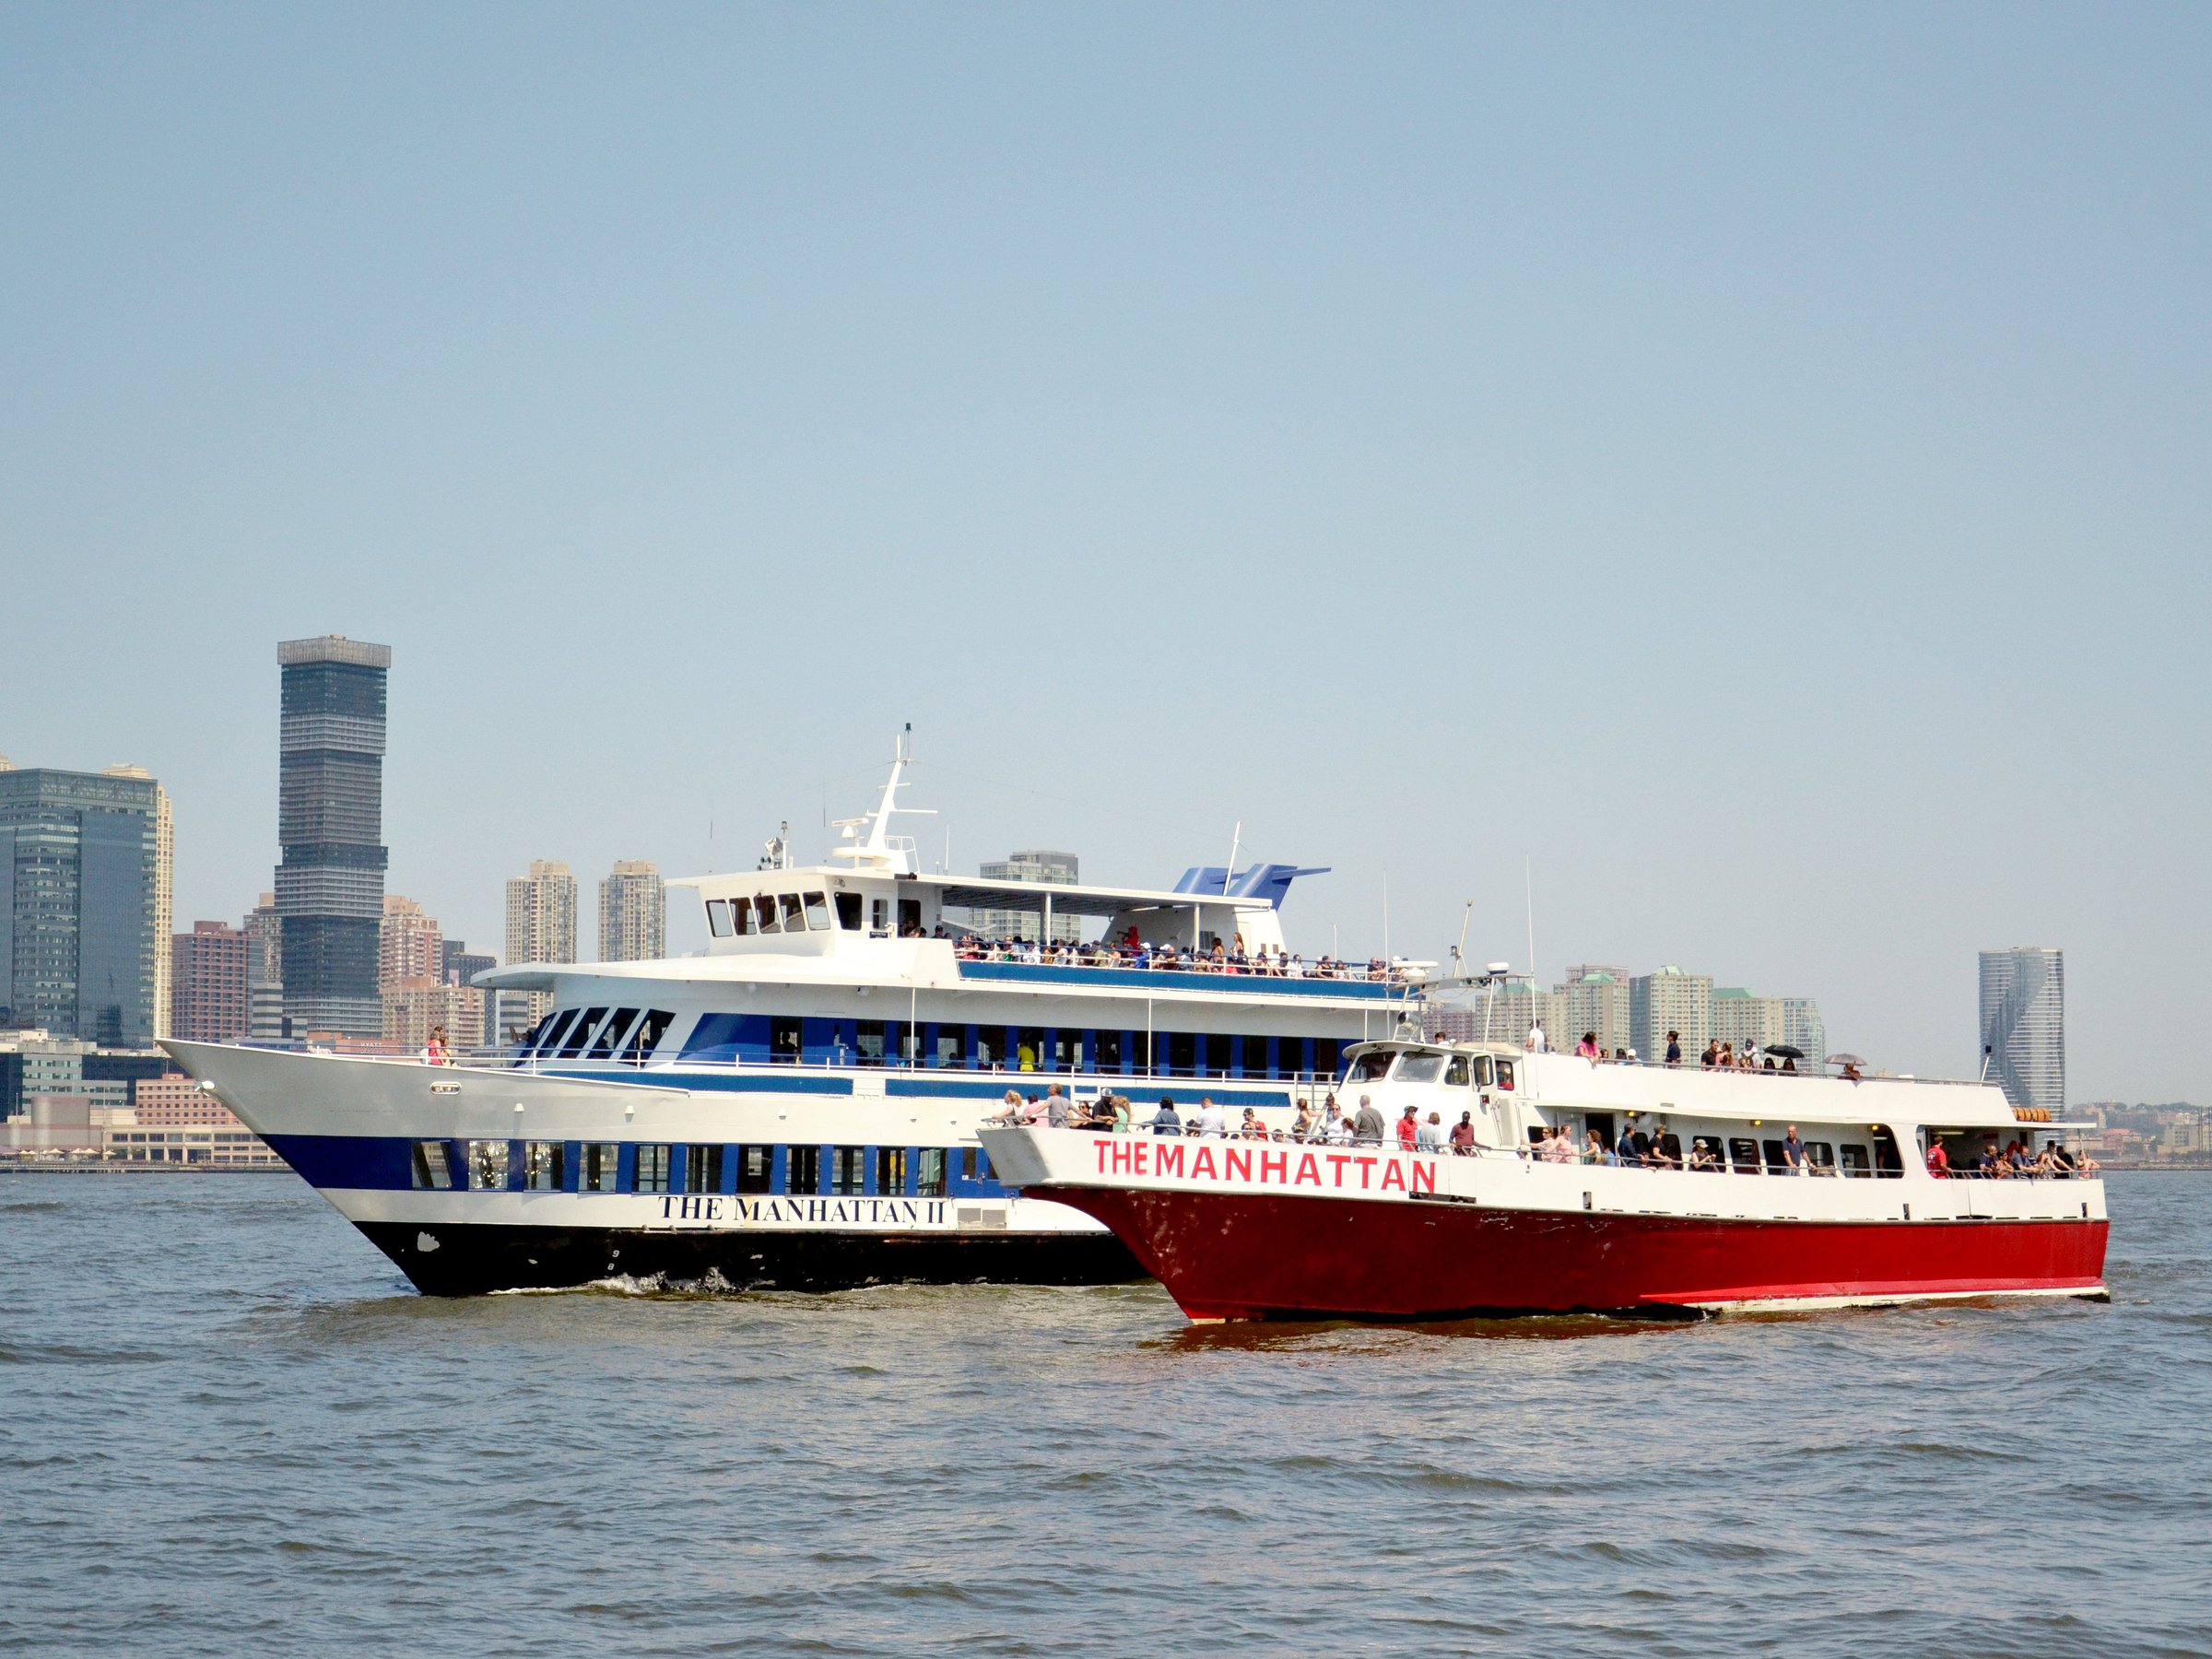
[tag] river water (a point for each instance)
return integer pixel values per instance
(231, 1428)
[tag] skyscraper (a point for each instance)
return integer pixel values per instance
(1745, 1020)
(1036, 866)
(1667, 999)
(264, 973)
(1592, 999)
(541, 923)
(209, 980)
(409, 946)
(633, 913)
(330, 886)
(2024, 1025)
(1802, 1027)
(82, 880)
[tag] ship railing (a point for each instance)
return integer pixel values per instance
(1376, 971)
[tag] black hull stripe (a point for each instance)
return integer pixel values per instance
(472, 1260)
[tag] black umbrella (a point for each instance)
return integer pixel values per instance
(1784, 1051)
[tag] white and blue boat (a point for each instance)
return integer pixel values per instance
(796, 1107)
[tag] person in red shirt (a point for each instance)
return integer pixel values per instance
(1462, 1134)
(1409, 1129)
(1939, 1162)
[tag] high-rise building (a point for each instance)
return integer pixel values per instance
(264, 973)
(1503, 1014)
(207, 978)
(415, 1007)
(633, 913)
(330, 886)
(1592, 999)
(1036, 866)
(1667, 999)
(83, 878)
(460, 966)
(1747, 1021)
(2024, 1025)
(410, 945)
(541, 924)
(1803, 1028)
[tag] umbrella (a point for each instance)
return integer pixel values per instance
(1784, 1051)
(1845, 1060)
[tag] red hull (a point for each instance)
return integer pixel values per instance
(1252, 1256)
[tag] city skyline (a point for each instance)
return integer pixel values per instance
(1780, 527)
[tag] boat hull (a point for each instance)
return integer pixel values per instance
(474, 1259)
(1241, 1255)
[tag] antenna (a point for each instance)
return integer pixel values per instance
(1235, 841)
(1528, 892)
(1459, 951)
(1387, 916)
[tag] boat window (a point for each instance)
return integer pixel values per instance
(651, 1030)
(433, 1172)
(948, 1047)
(1369, 1068)
(1854, 1159)
(1030, 1053)
(596, 1171)
(756, 1168)
(1068, 1050)
(910, 917)
(702, 1169)
(1325, 1053)
(802, 1170)
(612, 1033)
(1255, 1057)
(718, 917)
(1886, 1163)
(867, 1040)
(1778, 1161)
(652, 1173)
(528, 1041)
(1505, 1073)
(880, 917)
(891, 1170)
(794, 913)
(817, 912)
(848, 912)
(784, 1043)
(542, 1166)
(1820, 1155)
(488, 1165)
(580, 1032)
(764, 914)
(1457, 1073)
(845, 1166)
(558, 1022)
(908, 1042)
(1420, 1068)
(1743, 1152)
(741, 916)
(1140, 1049)
(976, 1164)
(1106, 1051)
(929, 1174)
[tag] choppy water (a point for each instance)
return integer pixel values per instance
(229, 1428)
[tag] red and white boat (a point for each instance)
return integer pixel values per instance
(1279, 1228)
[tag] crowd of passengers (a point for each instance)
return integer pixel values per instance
(1267, 961)
(1718, 1056)
(1635, 1149)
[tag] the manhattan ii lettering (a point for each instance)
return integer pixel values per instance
(710, 1209)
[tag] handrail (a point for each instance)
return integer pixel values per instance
(1172, 959)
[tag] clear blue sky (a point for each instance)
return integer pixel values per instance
(1752, 462)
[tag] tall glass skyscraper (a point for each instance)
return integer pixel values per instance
(2024, 1025)
(81, 885)
(330, 814)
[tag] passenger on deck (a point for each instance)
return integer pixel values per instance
(1788, 1063)
(1429, 1138)
(1301, 1129)
(1634, 1145)
(1666, 1151)
(1462, 1135)
(1212, 1120)
(1768, 1065)
(1164, 1120)
(1673, 1048)
(1702, 1155)
(1587, 1048)
(2062, 1161)
(1252, 1128)
(1939, 1162)
(1056, 1107)
(1593, 1148)
(1537, 1042)
(1409, 1129)
(1711, 1056)
(1367, 1124)
(1556, 1147)
(1012, 1114)
(1793, 1153)
(1338, 1132)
